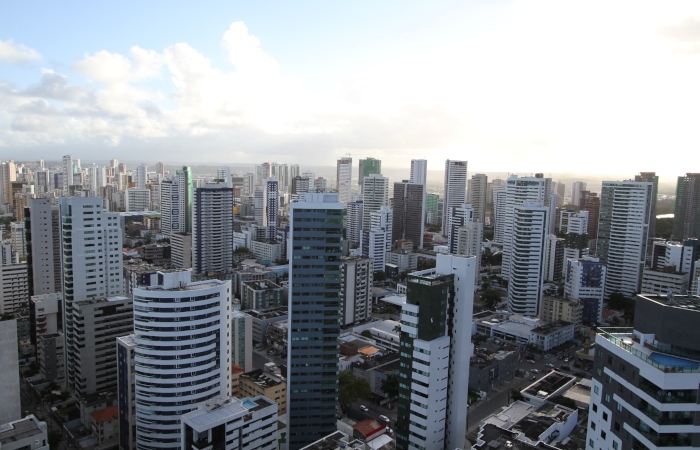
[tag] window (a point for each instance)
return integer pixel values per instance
(595, 408)
(622, 367)
(616, 446)
(602, 434)
(608, 378)
(596, 389)
(605, 416)
(598, 371)
(590, 443)
(592, 425)
(616, 426)
(610, 360)
(599, 353)
(619, 407)
(607, 398)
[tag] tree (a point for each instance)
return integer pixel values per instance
(350, 389)
(491, 297)
(390, 385)
(367, 334)
(379, 275)
(618, 301)
(425, 263)
(516, 395)
(240, 250)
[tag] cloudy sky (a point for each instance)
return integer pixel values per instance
(551, 86)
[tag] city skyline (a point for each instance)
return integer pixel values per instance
(480, 82)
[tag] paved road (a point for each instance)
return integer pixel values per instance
(374, 411)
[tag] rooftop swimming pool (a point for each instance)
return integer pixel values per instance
(674, 361)
(249, 404)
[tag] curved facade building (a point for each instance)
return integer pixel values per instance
(182, 354)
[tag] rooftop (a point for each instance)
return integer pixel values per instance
(262, 285)
(268, 313)
(689, 302)
(20, 429)
(496, 438)
(552, 327)
(663, 358)
(540, 420)
(369, 427)
(106, 414)
(262, 378)
(217, 411)
(548, 384)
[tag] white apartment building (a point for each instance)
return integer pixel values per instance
(530, 225)
(141, 176)
(375, 196)
(14, 287)
(576, 189)
(242, 340)
(24, 434)
(138, 200)
(353, 222)
(270, 207)
(518, 192)
(553, 258)
(344, 179)
(228, 423)
(46, 307)
(91, 260)
(455, 188)
(356, 290)
(623, 226)
(185, 354)
(374, 245)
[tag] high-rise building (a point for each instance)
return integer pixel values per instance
(242, 340)
(43, 247)
(183, 354)
(316, 231)
(181, 250)
(518, 192)
(408, 220)
(644, 391)
(623, 227)
(530, 225)
(67, 170)
(467, 236)
(455, 188)
(138, 200)
(500, 199)
(92, 358)
(376, 195)
(353, 222)
(160, 169)
(477, 195)
(9, 372)
(248, 183)
(212, 234)
(141, 176)
(91, 263)
(591, 202)
(14, 287)
(374, 245)
(368, 166)
(576, 189)
(223, 175)
(270, 207)
(553, 258)
(344, 179)
(686, 218)
(436, 345)
(419, 171)
(356, 290)
(652, 178)
(176, 202)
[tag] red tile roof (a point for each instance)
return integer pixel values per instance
(106, 414)
(369, 427)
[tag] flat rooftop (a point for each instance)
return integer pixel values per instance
(20, 429)
(496, 438)
(262, 285)
(552, 327)
(550, 383)
(268, 313)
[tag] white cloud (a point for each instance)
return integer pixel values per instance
(12, 53)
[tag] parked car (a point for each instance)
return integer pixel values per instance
(363, 408)
(534, 371)
(579, 374)
(566, 359)
(384, 419)
(531, 361)
(549, 365)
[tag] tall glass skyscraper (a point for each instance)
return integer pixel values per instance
(316, 231)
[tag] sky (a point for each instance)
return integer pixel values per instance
(510, 86)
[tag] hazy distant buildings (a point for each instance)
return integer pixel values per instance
(353, 222)
(576, 189)
(176, 202)
(368, 166)
(343, 179)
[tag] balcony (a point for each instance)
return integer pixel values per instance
(663, 439)
(626, 340)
